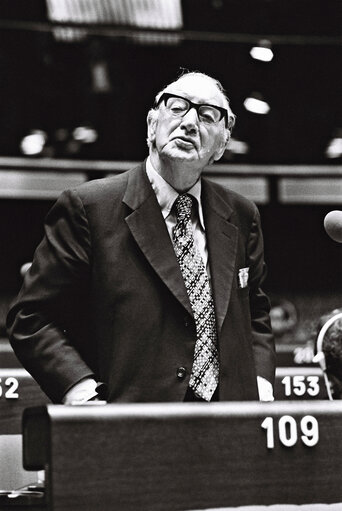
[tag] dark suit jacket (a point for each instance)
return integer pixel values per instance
(105, 295)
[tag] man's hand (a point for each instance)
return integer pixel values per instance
(81, 393)
(265, 389)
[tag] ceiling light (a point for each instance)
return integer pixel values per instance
(33, 143)
(147, 14)
(256, 105)
(262, 51)
(85, 134)
(334, 149)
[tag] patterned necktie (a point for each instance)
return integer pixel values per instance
(205, 369)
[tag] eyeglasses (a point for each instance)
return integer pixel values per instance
(178, 106)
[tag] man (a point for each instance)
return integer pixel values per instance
(150, 281)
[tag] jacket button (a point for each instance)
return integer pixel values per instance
(186, 321)
(181, 372)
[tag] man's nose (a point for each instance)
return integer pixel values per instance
(190, 120)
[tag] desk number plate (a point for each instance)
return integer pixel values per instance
(9, 387)
(289, 433)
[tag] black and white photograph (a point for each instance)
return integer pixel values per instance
(170, 255)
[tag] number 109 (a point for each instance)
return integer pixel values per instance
(288, 431)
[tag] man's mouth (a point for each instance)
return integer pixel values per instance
(184, 142)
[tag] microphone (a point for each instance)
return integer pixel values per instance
(333, 225)
(320, 355)
(319, 358)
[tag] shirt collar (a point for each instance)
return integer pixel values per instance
(166, 195)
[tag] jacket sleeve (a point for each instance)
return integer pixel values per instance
(262, 337)
(38, 322)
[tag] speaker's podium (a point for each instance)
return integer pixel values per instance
(186, 456)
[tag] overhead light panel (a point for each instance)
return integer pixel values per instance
(256, 104)
(262, 51)
(166, 14)
(125, 14)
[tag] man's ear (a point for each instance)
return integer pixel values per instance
(222, 146)
(151, 126)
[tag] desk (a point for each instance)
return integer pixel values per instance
(173, 457)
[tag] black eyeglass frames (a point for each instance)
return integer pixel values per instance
(179, 106)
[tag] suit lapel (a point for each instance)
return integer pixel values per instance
(148, 228)
(222, 239)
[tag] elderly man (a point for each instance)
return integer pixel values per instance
(150, 281)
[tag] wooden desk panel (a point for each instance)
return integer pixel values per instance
(175, 457)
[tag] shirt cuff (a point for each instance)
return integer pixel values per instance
(80, 393)
(265, 389)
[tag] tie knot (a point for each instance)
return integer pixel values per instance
(183, 205)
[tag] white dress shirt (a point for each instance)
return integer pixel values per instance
(166, 196)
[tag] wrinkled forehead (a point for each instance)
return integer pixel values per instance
(199, 89)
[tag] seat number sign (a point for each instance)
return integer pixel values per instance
(288, 432)
(301, 385)
(9, 388)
